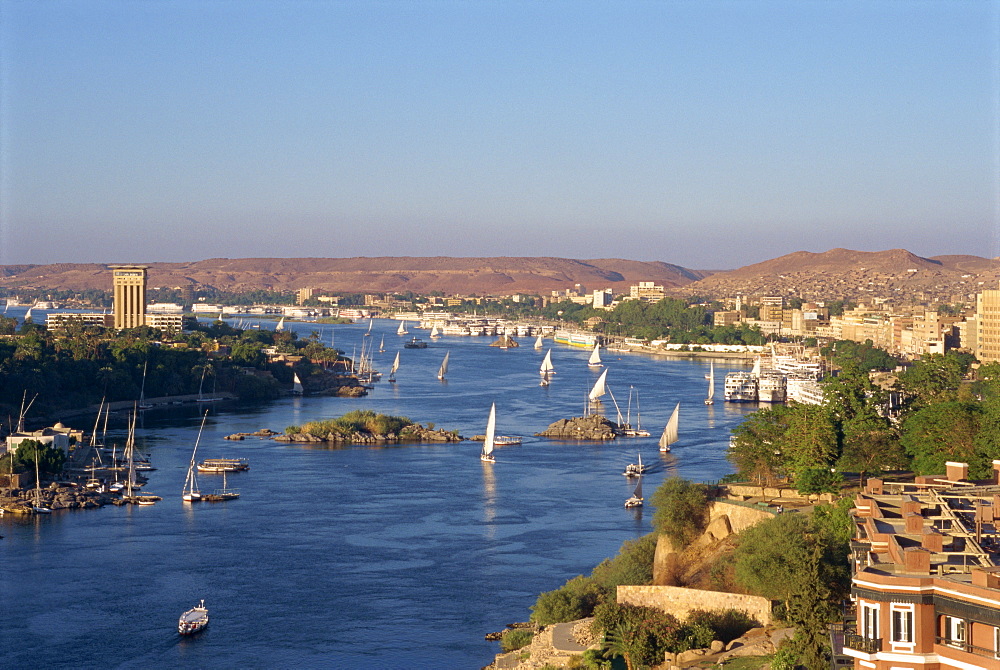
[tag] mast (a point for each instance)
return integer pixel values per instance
(443, 370)
(490, 434)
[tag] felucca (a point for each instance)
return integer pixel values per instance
(538, 342)
(636, 499)
(296, 384)
(392, 370)
(443, 370)
(595, 357)
(670, 430)
(547, 368)
(190, 492)
(491, 425)
(600, 388)
(711, 384)
(402, 328)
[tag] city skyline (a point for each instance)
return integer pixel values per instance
(709, 135)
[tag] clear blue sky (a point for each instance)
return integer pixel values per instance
(707, 134)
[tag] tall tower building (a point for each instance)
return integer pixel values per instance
(130, 295)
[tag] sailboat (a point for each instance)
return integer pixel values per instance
(711, 384)
(636, 499)
(599, 389)
(38, 507)
(595, 357)
(402, 328)
(392, 370)
(281, 324)
(670, 430)
(491, 424)
(538, 342)
(27, 316)
(142, 390)
(635, 469)
(629, 430)
(296, 384)
(190, 492)
(547, 368)
(435, 333)
(443, 370)
(381, 345)
(545, 379)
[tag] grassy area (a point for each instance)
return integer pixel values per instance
(358, 421)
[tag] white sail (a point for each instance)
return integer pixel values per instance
(190, 492)
(491, 426)
(547, 366)
(443, 370)
(296, 384)
(381, 345)
(595, 357)
(756, 367)
(27, 315)
(395, 365)
(711, 381)
(538, 342)
(637, 493)
(281, 324)
(434, 331)
(402, 328)
(670, 431)
(599, 388)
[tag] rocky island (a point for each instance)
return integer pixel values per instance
(593, 427)
(367, 427)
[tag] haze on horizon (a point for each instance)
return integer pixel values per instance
(707, 134)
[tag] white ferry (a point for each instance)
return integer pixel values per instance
(741, 386)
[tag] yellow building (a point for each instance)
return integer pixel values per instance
(988, 326)
(129, 295)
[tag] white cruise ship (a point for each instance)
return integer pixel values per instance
(771, 387)
(741, 386)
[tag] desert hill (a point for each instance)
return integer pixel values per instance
(895, 274)
(484, 276)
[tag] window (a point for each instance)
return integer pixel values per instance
(996, 643)
(954, 631)
(869, 621)
(902, 625)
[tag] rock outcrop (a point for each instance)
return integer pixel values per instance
(411, 433)
(593, 427)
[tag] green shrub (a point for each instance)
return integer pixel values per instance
(576, 599)
(633, 565)
(726, 626)
(515, 638)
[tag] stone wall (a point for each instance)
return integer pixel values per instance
(680, 601)
(740, 516)
(743, 491)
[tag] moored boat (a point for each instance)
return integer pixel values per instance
(217, 465)
(415, 343)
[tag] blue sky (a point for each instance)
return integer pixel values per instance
(707, 134)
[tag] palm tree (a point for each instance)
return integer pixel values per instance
(620, 641)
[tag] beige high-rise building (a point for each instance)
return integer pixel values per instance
(988, 326)
(129, 295)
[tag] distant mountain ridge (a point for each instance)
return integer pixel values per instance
(895, 274)
(483, 276)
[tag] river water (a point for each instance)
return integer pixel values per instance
(356, 557)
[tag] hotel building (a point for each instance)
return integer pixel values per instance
(129, 283)
(926, 583)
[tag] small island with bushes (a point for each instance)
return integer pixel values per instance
(367, 427)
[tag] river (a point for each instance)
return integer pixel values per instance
(356, 557)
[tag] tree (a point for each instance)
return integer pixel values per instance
(681, 510)
(870, 443)
(755, 448)
(934, 378)
(943, 431)
(810, 440)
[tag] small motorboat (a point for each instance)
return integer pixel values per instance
(194, 620)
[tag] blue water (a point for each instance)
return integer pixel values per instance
(356, 557)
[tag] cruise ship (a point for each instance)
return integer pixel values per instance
(771, 387)
(575, 339)
(741, 386)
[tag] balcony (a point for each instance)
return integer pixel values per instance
(863, 644)
(967, 648)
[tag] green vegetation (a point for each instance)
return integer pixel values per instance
(862, 355)
(515, 638)
(50, 459)
(681, 510)
(79, 365)
(800, 561)
(363, 421)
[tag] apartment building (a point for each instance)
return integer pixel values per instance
(925, 579)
